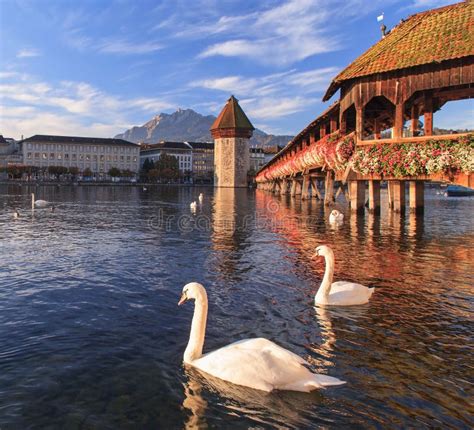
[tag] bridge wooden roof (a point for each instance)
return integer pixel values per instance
(428, 37)
(232, 117)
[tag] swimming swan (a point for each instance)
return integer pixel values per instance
(201, 197)
(340, 293)
(38, 203)
(16, 214)
(256, 363)
(336, 217)
(193, 206)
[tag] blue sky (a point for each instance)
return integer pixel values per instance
(98, 67)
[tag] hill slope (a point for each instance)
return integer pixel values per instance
(188, 125)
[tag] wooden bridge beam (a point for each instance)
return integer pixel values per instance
(398, 196)
(357, 196)
(315, 194)
(329, 188)
(374, 197)
(305, 187)
(417, 196)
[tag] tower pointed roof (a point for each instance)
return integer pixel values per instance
(232, 117)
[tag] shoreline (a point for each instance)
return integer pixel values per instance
(97, 184)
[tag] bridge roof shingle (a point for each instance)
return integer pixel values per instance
(428, 37)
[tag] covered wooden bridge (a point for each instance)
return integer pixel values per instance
(381, 128)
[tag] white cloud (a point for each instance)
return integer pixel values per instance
(124, 47)
(309, 81)
(281, 34)
(75, 38)
(34, 107)
(27, 53)
(275, 107)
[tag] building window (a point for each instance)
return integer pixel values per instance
(37, 155)
(28, 155)
(59, 156)
(73, 156)
(88, 157)
(94, 157)
(45, 156)
(66, 156)
(102, 157)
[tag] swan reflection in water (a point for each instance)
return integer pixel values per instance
(327, 318)
(203, 394)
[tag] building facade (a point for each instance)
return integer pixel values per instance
(98, 155)
(257, 159)
(180, 150)
(203, 161)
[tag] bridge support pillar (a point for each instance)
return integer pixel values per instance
(295, 188)
(329, 189)
(315, 194)
(287, 186)
(417, 196)
(398, 196)
(357, 196)
(277, 187)
(374, 197)
(274, 187)
(305, 190)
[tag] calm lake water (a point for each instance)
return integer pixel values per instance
(91, 336)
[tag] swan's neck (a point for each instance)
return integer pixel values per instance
(32, 201)
(323, 293)
(198, 331)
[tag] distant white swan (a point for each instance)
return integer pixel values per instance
(38, 203)
(256, 363)
(16, 214)
(201, 197)
(340, 293)
(336, 217)
(193, 206)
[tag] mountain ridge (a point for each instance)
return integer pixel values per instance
(189, 125)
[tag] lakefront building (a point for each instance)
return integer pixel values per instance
(203, 161)
(98, 155)
(180, 150)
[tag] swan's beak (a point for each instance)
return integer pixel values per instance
(182, 299)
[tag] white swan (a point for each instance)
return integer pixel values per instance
(201, 197)
(38, 203)
(16, 214)
(340, 293)
(256, 363)
(193, 206)
(336, 217)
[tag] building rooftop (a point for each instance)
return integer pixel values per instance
(166, 145)
(232, 117)
(201, 145)
(75, 139)
(428, 37)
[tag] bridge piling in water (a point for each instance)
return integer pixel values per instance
(417, 196)
(374, 197)
(329, 189)
(305, 187)
(357, 196)
(398, 196)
